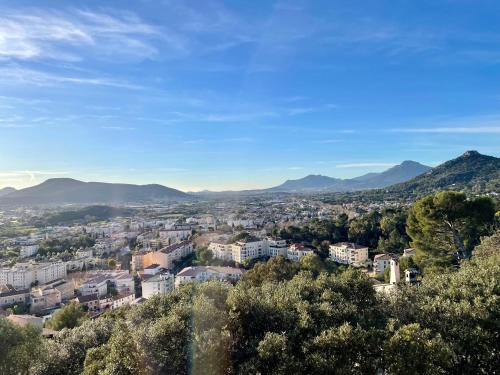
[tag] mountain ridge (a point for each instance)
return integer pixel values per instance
(69, 190)
(396, 174)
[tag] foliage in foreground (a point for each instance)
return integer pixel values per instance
(300, 324)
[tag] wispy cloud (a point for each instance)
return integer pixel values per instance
(312, 109)
(20, 75)
(33, 34)
(365, 165)
(452, 130)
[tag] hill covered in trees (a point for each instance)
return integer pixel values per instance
(471, 172)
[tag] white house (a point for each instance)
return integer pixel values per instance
(161, 283)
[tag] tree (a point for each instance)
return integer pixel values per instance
(312, 262)
(19, 348)
(447, 223)
(365, 230)
(111, 264)
(414, 351)
(70, 316)
(275, 269)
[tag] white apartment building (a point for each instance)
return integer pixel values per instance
(276, 247)
(97, 285)
(22, 275)
(176, 233)
(28, 251)
(205, 273)
(381, 262)
(122, 281)
(256, 248)
(248, 249)
(161, 283)
(349, 253)
(296, 251)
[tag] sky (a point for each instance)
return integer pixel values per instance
(242, 94)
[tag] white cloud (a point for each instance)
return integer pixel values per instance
(29, 34)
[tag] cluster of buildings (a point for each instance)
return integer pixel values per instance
(252, 248)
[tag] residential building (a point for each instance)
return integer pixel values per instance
(90, 301)
(205, 273)
(381, 262)
(123, 299)
(221, 250)
(28, 251)
(166, 256)
(250, 248)
(137, 263)
(10, 295)
(97, 285)
(22, 275)
(296, 251)
(349, 253)
(160, 283)
(276, 247)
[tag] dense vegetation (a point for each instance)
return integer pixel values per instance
(84, 215)
(277, 324)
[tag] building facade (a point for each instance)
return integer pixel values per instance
(349, 253)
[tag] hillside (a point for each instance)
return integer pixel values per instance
(86, 214)
(67, 190)
(471, 171)
(313, 183)
(6, 190)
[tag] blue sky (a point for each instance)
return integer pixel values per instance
(242, 94)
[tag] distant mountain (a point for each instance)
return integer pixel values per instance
(311, 182)
(399, 173)
(67, 190)
(314, 183)
(6, 190)
(471, 171)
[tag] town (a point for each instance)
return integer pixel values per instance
(125, 260)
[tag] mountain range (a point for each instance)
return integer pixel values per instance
(68, 190)
(313, 183)
(471, 171)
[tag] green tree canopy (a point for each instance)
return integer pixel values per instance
(69, 316)
(447, 223)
